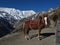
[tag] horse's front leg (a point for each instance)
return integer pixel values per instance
(39, 32)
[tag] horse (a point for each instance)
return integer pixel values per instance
(40, 23)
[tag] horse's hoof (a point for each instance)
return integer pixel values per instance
(39, 39)
(27, 38)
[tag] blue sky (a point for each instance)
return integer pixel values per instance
(36, 5)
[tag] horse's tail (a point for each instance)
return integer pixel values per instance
(24, 27)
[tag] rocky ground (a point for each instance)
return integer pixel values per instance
(47, 34)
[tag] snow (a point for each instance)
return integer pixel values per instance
(17, 14)
(51, 9)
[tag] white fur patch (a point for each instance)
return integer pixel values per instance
(45, 20)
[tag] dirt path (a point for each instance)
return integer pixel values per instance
(18, 38)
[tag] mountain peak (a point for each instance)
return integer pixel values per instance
(18, 13)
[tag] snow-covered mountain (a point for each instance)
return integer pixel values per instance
(12, 14)
(51, 9)
(15, 13)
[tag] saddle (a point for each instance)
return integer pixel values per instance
(33, 22)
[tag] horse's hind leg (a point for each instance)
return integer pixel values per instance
(26, 32)
(39, 32)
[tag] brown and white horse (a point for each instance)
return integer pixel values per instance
(39, 24)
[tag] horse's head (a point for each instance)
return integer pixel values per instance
(45, 19)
